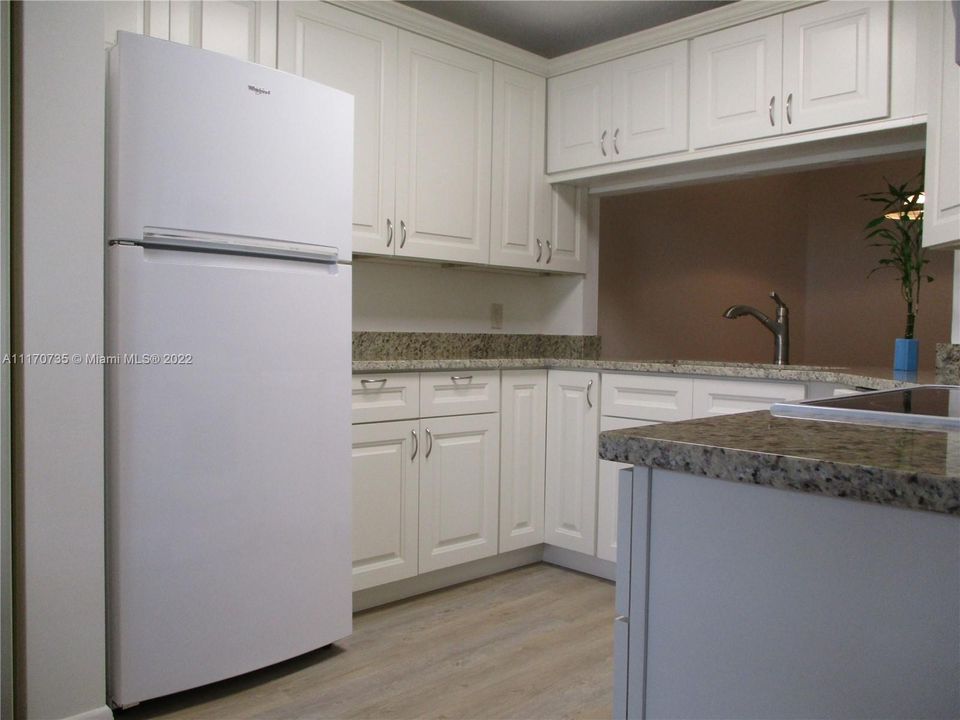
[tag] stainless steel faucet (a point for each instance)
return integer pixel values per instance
(780, 328)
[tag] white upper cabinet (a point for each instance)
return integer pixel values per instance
(443, 152)
(941, 214)
(566, 249)
(578, 119)
(822, 65)
(620, 110)
(520, 200)
(649, 93)
(358, 55)
(835, 64)
(735, 83)
(244, 29)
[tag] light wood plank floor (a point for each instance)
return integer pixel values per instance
(535, 642)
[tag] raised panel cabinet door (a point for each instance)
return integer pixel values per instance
(443, 152)
(523, 440)
(836, 64)
(520, 194)
(723, 397)
(649, 93)
(386, 487)
(145, 17)
(735, 83)
(578, 119)
(357, 55)
(459, 486)
(571, 485)
(244, 29)
(941, 214)
(566, 250)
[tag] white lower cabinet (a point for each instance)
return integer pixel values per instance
(386, 496)
(573, 404)
(459, 488)
(607, 491)
(523, 434)
(723, 397)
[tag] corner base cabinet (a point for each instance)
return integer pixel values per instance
(742, 601)
(573, 416)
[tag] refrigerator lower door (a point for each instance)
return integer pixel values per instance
(228, 447)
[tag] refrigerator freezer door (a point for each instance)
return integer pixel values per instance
(203, 143)
(229, 465)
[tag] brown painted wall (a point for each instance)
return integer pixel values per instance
(672, 260)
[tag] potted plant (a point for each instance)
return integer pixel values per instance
(899, 230)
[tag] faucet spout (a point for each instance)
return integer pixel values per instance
(779, 327)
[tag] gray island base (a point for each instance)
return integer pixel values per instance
(741, 596)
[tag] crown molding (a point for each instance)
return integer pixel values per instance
(416, 21)
(683, 29)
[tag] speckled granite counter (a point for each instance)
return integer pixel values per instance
(891, 466)
(875, 378)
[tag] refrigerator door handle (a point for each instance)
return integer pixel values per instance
(165, 239)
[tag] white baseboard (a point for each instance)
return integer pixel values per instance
(578, 561)
(391, 592)
(101, 713)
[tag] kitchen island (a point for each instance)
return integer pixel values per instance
(782, 568)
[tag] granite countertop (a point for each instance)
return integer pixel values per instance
(912, 469)
(875, 378)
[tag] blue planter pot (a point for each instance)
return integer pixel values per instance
(905, 354)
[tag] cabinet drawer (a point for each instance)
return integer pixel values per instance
(386, 397)
(723, 397)
(459, 392)
(646, 397)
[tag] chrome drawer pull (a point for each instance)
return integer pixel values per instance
(368, 381)
(416, 445)
(454, 378)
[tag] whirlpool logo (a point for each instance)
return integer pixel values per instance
(258, 90)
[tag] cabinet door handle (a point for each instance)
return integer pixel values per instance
(389, 232)
(429, 443)
(549, 252)
(367, 381)
(454, 378)
(416, 445)
(603, 140)
(539, 249)
(790, 109)
(403, 233)
(616, 134)
(589, 386)
(770, 109)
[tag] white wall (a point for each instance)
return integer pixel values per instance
(426, 297)
(60, 593)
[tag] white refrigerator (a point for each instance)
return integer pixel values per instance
(227, 366)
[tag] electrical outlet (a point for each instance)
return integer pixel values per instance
(496, 315)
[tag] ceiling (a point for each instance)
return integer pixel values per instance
(553, 27)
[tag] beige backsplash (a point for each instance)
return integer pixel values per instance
(672, 260)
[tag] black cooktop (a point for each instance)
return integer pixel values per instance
(936, 400)
(935, 407)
